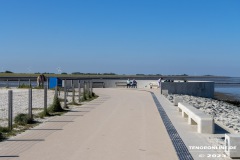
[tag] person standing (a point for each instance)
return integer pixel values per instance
(128, 83)
(159, 82)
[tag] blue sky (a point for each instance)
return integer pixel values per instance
(195, 37)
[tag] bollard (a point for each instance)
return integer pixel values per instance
(71, 83)
(73, 94)
(10, 109)
(79, 91)
(30, 103)
(30, 83)
(45, 99)
(65, 93)
(84, 90)
(18, 83)
(88, 87)
(7, 85)
(47, 83)
(91, 88)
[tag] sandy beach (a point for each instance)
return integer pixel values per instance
(20, 102)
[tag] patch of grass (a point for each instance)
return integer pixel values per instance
(6, 133)
(3, 132)
(4, 129)
(56, 106)
(25, 86)
(43, 114)
(23, 119)
(74, 103)
(90, 95)
(85, 96)
(90, 99)
(1, 136)
(23, 122)
(38, 87)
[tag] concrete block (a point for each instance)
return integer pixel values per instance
(232, 143)
(177, 100)
(165, 92)
(205, 123)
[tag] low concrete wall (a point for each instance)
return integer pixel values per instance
(194, 88)
(111, 83)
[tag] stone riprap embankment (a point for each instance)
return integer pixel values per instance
(222, 112)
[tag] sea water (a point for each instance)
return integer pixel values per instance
(227, 85)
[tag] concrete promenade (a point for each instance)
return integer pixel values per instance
(122, 124)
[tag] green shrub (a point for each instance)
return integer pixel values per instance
(1, 136)
(56, 106)
(44, 114)
(90, 95)
(4, 129)
(23, 119)
(84, 95)
(38, 87)
(24, 86)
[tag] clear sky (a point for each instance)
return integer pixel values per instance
(195, 37)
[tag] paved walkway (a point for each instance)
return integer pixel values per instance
(122, 124)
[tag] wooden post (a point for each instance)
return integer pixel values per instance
(47, 83)
(84, 90)
(45, 99)
(79, 91)
(89, 88)
(30, 83)
(7, 85)
(18, 83)
(65, 93)
(10, 109)
(91, 84)
(30, 103)
(73, 94)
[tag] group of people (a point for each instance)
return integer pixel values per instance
(40, 80)
(131, 83)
